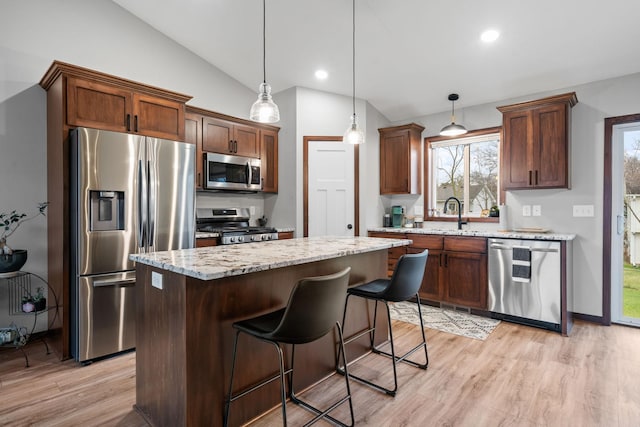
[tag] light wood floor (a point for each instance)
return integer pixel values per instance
(519, 376)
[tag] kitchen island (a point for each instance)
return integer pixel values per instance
(188, 299)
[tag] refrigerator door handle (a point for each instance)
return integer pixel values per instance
(151, 203)
(99, 283)
(142, 203)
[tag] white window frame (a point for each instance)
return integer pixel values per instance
(477, 137)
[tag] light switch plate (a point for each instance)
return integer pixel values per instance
(536, 210)
(526, 210)
(583, 210)
(156, 280)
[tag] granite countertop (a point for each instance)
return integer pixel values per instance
(214, 262)
(507, 234)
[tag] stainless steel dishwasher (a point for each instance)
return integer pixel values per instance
(525, 280)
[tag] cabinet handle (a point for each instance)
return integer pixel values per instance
(530, 180)
(446, 260)
(135, 123)
(230, 146)
(235, 146)
(536, 177)
(128, 122)
(440, 260)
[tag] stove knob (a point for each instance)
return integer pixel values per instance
(263, 237)
(240, 239)
(253, 238)
(232, 239)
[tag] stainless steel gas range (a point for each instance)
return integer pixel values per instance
(232, 226)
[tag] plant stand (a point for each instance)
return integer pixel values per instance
(21, 284)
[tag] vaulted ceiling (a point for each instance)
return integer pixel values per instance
(410, 54)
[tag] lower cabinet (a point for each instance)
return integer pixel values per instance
(285, 235)
(456, 271)
(394, 253)
(206, 241)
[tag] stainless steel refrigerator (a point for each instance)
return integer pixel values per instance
(129, 194)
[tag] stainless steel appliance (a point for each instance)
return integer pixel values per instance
(129, 194)
(233, 226)
(225, 172)
(525, 281)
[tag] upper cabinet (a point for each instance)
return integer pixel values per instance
(102, 101)
(269, 160)
(213, 132)
(535, 143)
(400, 159)
(227, 137)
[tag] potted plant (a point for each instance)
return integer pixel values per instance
(13, 259)
(27, 304)
(39, 300)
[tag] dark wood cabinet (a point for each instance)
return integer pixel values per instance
(226, 137)
(400, 171)
(105, 106)
(206, 241)
(269, 160)
(285, 235)
(456, 271)
(535, 143)
(393, 253)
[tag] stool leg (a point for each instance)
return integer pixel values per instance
(227, 405)
(424, 338)
(283, 394)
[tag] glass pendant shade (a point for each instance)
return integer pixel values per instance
(264, 110)
(353, 135)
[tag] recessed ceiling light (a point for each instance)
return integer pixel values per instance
(321, 75)
(489, 36)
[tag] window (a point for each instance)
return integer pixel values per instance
(466, 168)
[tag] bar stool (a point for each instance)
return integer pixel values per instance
(314, 305)
(403, 285)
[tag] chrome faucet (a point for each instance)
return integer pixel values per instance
(460, 221)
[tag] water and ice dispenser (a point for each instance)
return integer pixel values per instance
(106, 210)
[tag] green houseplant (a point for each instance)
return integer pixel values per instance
(10, 259)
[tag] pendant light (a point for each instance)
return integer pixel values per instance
(354, 135)
(264, 110)
(453, 129)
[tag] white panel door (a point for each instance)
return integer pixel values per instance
(331, 189)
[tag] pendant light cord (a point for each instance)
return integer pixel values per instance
(354, 57)
(264, 41)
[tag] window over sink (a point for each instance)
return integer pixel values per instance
(466, 168)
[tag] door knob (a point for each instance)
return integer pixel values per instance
(349, 226)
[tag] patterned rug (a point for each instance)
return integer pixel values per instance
(453, 322)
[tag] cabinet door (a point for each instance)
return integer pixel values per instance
(516, 166)
(158, 117)
(431, 288)
(550, 147)
(285, 235)
(193, 135)
(394, 163)
(269, 160)
(246, 141)
(98, 105)
(465, 279)
(217, 136)
(208, 241)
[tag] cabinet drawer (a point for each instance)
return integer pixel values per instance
(426, 241)
(466, 244)
(207, 241)
(387, 235)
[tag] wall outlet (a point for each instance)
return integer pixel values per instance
(583, 210)
(536, 210)
(526, 210)
(156, 280)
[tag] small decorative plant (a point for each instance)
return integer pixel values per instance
(9, 223)
(35, 302)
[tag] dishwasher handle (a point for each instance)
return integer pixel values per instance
(503, 247)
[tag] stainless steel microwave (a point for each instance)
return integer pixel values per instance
(225, 172)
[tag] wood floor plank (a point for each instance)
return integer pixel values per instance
(519, 376)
